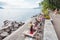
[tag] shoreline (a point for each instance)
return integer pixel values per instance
(7, 28)
(19, 32)
(20, 28)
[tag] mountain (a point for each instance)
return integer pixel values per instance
(1, 8)
(38, 7)
(2, 5)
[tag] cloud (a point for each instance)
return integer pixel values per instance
(25, 5)
(20, 3)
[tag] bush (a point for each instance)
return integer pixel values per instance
(47, 17)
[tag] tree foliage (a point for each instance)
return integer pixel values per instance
(49, 4)
(55, 3)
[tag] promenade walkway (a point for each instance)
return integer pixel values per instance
(49, 31)
(56, 23)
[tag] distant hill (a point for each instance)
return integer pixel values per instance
(38, 7)
(2, 5)
(1, 8)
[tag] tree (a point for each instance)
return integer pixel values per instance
(55, 3)
(49, 4)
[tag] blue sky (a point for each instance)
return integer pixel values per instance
(21, 3)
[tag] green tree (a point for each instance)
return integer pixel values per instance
(55, 3)
(49, 4)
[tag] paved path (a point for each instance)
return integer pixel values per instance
(49, 31)
(56, 22)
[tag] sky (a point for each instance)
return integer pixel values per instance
(21, 3)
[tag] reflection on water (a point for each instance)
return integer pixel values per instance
(17, 14)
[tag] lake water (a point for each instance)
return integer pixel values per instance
(17, 14)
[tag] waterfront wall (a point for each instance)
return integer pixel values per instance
(18, 34)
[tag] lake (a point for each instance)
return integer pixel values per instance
(17, 14)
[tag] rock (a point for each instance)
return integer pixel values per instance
(21, 23)
(16, 25)
(15, 29)
(4, 34)
(11, 27)
(1, 31)
(6, 22)
(0, 37)
(12, 31)
(7, 29)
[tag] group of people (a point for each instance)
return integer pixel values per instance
(39, 20)
(56, 10)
